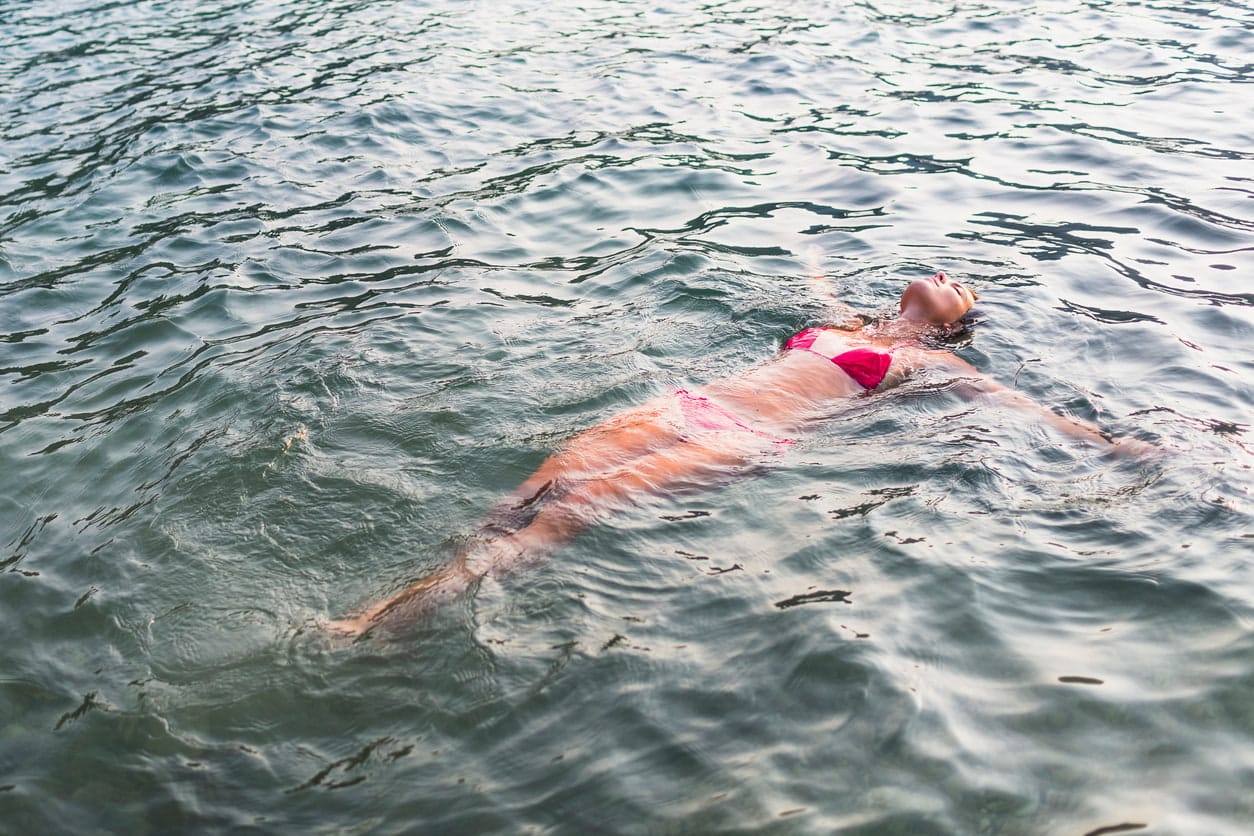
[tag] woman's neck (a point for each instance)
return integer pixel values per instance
(900, 329)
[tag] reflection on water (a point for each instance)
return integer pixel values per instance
(291, 293)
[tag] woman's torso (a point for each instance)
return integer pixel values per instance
(801, 383)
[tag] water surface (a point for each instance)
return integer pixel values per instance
(290, 293)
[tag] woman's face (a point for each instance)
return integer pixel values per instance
(938, 299)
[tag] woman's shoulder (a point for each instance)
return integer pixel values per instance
(828, 340)
(919, 356)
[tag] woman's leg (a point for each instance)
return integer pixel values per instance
(572, 502)
(632, 454)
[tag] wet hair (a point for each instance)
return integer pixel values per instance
(957, 334)
(960, 333)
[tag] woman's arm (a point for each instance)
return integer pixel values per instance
(975, 384)
(840, 313)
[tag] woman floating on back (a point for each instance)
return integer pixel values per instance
(693, 438)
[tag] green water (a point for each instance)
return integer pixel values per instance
(291, 293)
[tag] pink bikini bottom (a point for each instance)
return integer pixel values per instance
(701, 413)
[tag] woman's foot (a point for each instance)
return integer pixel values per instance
(349, 628)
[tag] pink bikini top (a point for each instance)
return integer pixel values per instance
(865, 365)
